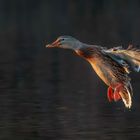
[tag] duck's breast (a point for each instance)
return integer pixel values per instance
(103, 71)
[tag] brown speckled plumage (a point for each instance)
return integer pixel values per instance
(111, 65)
(111, 68)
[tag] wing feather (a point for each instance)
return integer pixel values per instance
(126, 57)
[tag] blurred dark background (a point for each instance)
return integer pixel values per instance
(52, 94)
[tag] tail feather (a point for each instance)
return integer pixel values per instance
(126, 94)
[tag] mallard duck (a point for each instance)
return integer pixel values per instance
(112, 68)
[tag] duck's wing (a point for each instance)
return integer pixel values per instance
(132, 55)
(117, 58)
(126, 57)
(129, 57)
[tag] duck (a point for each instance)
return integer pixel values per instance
(111, 65)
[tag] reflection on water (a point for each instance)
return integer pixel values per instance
(45, 97)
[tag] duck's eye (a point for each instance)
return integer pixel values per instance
(62, 39)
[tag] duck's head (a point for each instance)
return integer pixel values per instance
(66, 42)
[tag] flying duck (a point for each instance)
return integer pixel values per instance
(111, 65)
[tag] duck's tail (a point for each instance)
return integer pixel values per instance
(126, 95)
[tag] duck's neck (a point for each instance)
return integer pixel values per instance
(88, 51)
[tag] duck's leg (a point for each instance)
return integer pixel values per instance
(110, 94)
(116, 95)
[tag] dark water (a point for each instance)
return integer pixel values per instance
(52, 94)
(43, 99)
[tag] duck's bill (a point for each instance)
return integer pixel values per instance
(49, 46)
(52, 45)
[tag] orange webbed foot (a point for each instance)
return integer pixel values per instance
(117, 97)
(110, 94)
(114, 95)
(116, 92)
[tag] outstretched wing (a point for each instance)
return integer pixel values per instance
(117, 58)
(126, 57)
(133, 57)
